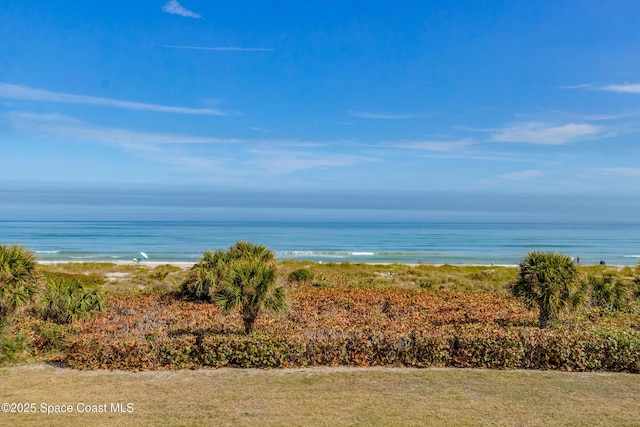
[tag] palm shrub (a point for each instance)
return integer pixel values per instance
(609, 292)
(206, 276)
(246, 250)
(67, 299)
(19, 279)
(250, 283)
(550, 282)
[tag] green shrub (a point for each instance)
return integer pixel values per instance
(550, 282)
(425, 283)
(250, 283)
(301, 275)
(320, 282)
(12, 347)
(91, 280)
(609, 292)
(67, 299)
(243, 277)
(205, 277)
(19, 279)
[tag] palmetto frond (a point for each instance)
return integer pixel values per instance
(250, 283)
(549, 281)
(19, 277)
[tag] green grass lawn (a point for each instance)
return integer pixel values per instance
(325, 396)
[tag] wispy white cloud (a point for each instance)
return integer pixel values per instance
(175, 8)
(547, 134)
(434, 145)
(225, 48)
(19, 92)
(155, 146)
(64, 126)
(580, 86)
(618, 88)
(559, 115)
(172, 148)
(619, 171)
(384, 116)
(621, 88)
(478, 155)
(521, 175)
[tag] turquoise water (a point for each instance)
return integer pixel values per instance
(384, 242)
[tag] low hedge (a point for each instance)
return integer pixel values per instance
(466, 346)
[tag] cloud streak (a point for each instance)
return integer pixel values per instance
(154, 146)
(170, 148)
(25, 93)
(546, 134)
(633, 88)
(620, 171)
(67, 127)
(434, 145)
(383, 116)
(622, 88)
(174, 8)
(224, 48)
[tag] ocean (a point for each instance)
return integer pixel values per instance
(338, 241)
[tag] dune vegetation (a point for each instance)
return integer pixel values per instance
(241, 308)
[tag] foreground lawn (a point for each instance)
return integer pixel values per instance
(325, 396)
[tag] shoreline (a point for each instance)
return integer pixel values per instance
(189, 264)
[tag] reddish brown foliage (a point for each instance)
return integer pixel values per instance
(339, 326)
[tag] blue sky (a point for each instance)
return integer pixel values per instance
(364, 104)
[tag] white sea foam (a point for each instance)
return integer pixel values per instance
(47, 252)
(363, 253)
(631, 256)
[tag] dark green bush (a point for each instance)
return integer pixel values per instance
(67, 299)
(12, 347)
(320, 282)
(205, 277)
(301, 275)
(19, 279)
(609, 292)
(250, 284)
(425, 283)
(550, 282)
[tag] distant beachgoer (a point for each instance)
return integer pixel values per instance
(578, 260)
(602, 262)
(135, 260)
